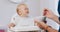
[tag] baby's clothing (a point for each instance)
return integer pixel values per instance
(22, 21)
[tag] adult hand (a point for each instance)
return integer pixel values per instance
(41, 24)
(48, 13)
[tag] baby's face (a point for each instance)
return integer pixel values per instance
(24, 10)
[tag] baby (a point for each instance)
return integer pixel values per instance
(22, 15)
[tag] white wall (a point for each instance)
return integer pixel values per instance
(6, 10)
(53, 5)
(50, 4)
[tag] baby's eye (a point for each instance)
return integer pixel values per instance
(26, 9)
(19, 9)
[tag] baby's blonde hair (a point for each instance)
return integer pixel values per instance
(19, 6)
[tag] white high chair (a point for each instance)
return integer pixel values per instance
(24, 28)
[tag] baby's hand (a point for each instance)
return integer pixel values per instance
(35, 22)
(11, 25)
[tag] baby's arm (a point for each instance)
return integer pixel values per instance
(11, 25)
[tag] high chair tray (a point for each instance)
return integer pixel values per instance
(28, 28)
